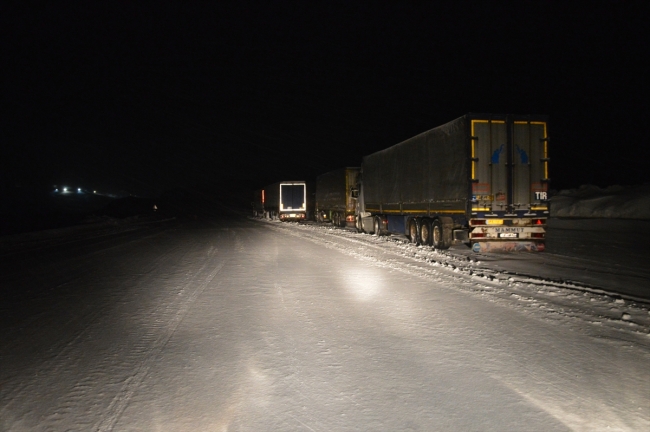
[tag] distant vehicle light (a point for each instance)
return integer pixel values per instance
(78, 189)
(65, 189)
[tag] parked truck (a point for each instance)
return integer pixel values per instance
(285, 201)
(336, 196)
(481, 179)
(258, 203)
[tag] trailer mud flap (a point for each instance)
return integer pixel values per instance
(503, 246)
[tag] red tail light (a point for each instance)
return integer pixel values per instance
(477, 222)
(477, 235)
(537, 235)
(539, 221)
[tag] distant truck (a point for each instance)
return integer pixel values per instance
(481, 179)
(336, 193)
(286, 201)
(258, 203)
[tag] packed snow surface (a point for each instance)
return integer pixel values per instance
(231, 324)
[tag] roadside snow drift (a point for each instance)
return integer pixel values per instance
(613, 202)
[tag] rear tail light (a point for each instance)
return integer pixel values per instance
(537, 235)
(539, 221)
(476, 235)
(350, 218)
(477, 222)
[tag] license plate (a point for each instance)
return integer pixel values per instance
(494, 221)
(508, 235)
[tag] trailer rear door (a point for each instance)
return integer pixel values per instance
(529, 164)
(489, 164)
(293, 196)
(509, 165)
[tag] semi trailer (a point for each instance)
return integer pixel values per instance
(336, 196)
(286, 201)
(258, 203)
(481, 179)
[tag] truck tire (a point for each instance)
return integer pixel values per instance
(440, 239)
(414, 232)
(377, 227)
(425, 232)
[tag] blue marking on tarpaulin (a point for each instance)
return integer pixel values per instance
(523, 155)
(496, 154)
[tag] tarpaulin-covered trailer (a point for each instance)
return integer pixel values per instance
(286, 200)
(482, 178)
(336, 196)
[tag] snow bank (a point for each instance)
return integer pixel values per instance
(613, 202)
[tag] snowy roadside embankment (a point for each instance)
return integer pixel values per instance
(613, 202)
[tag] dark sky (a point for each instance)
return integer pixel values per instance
(150, 96)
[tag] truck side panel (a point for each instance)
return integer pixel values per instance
(258, 202)
(331, 190)
(334, 199)
(428, 169)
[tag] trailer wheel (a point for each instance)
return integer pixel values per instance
(425, 232)
(377, 227)
(439, 239)
(413, 232)
(336, 219)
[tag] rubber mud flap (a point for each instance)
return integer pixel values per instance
(447, 230)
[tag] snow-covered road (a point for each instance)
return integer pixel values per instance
(245, 325)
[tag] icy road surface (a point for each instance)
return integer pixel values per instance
(245, 325)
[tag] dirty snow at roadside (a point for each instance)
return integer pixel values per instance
(525, 281)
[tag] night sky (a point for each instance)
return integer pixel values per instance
(145, 97)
